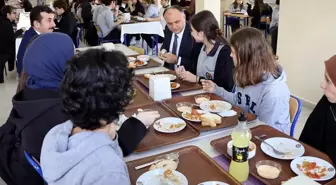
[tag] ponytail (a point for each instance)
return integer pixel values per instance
(220, 37)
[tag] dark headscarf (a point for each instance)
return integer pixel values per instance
(45, 60)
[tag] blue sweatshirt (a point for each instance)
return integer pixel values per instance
(268, 100)
(28, 35)
(86, 158)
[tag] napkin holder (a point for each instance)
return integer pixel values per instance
(159, 88)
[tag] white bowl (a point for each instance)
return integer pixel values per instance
(144, 58)
(251, 154)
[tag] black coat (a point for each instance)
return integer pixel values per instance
(256, 13)
(319, 131)
(186, 47)
(34, 113)
(7, 41)
(67, 25)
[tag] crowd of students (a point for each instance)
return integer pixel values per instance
(59, 118)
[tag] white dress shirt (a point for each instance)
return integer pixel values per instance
(179, 39)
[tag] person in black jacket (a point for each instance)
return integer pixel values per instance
(214, 61)
(67, 24)
(7, 39)
(26, 5)
(319, 130)
(260, 9)
(177, 46)
(38, 108)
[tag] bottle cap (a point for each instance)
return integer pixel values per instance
(242, 116)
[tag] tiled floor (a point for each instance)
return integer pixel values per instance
(7, 90)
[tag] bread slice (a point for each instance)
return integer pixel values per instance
(210, 120)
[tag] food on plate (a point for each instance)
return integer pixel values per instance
(147, 76)
(139, 63)
(169, 176)
(201, 99)
(131, 59)
(174, 85)
(193, 115)
(210, 120)
(184, 109)
(169, 126)
(165, 164)
(312, 170)
(268, 171)
(213, 107)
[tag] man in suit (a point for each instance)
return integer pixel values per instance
(178, 42)
(42, 21)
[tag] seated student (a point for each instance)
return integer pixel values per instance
(152, 10)
(178, 42)
(7, 38)
(41, 21)
(274, 27)
(85, 149)
(135, 7)
(319, 130)
(236, 6)
(67, 24)
(260, 9)
(38, 108)
(214, 61)
(105, 19)
(260, 80)
(148, 37)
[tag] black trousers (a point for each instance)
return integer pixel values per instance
(114, 36)
(148, 38)
(3, 59)
(274, 36)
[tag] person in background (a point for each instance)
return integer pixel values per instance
(178, 43)
(148, 37)
(87, 7)
(135, 7)
(260, 9)
(38, 107)
(74, 6)
(175, 2)
(104, 18)
(214, 61)
(26, 5)
(7, 38)
(41, 21)
(236, 7)
(319, 130)
(2, 4)
(190, 9)
(274, 27)
(67, 24)
(260, 80)
(152, 10)
(85, 149)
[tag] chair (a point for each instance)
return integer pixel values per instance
(101, 36)
(141, 51)
(265, 20)
(33, 162)
(295, 107)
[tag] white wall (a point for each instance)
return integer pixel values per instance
(307, 37)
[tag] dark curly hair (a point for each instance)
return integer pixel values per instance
(96, 88)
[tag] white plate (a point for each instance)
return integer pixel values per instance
(293, 148)
(213, 183)
(171, 77)
(155, 177)
(164, 124)
(221, 106)
(144, 63)
(199, 111)
(177, 85)
(320, 162)
(131, 59)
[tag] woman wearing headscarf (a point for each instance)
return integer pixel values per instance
(38, 108)
(320, 128)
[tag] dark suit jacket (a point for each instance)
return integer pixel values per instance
(28, 35)
(186, 47)
(67, 25)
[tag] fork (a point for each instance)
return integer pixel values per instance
(274, 150)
